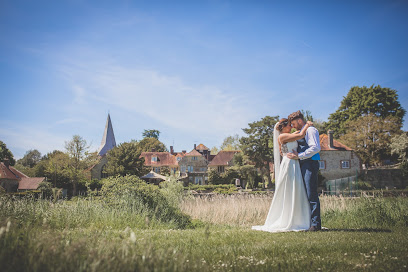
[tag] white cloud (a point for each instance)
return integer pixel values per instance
(166, 99)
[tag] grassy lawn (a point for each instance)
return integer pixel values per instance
(85, 235)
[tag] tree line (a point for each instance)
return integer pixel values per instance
(369, 120)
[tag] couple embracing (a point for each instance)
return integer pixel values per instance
(295, 205)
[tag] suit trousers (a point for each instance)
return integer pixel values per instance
(310, 169)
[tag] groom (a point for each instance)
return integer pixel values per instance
(308, 155)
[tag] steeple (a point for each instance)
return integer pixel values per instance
(108, 140)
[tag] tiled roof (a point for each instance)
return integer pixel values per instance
(10, 172)
(163, 158)
(194, 153)
(324, 144)
(223, 157)
(30, 183)
(202, 147)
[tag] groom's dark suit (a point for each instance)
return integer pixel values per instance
(310, 169)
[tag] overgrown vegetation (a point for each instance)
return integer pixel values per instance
(91, 235)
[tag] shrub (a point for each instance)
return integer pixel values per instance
(142, 197)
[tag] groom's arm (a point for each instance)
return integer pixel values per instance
(312, 139)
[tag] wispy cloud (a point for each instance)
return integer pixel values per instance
(166, 99)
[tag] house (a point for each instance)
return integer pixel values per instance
(223, 160)
(336, 159)
(194, 167)
(159, 160)
(13, 180)
(97, 171)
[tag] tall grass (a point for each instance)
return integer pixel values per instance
(128, 235)
(337, 212)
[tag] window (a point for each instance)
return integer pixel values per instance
(103, 172)
(154, 159)
(345, 164)
(199, 180)
(221, 169)
(194, 158)
(183, 169)
(190, 168)
(322, 164)
(174, 170)
(202, 169)
(157, 169)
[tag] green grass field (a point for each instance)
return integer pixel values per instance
(88, 235)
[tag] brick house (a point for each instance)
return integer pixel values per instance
(222, 160)
(336, 159)
(13, 180)
(159, 160)
(194, 167)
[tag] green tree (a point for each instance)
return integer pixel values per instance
(5, 153)
(399, 146)
(124, 159)
(214, 177)
(151, 133)
(362, 101)
(231, 143)
(214, 150)
(370, 137)
(149, 144)
(31, 158)
(258, 145)
(56, 168)
(307, 115)
(77, 150)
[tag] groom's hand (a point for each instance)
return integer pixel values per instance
(293, 155)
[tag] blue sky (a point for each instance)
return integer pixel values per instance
(198, 71)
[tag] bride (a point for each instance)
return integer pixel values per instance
(290, 210)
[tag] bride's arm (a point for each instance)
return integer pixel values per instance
(290, 137)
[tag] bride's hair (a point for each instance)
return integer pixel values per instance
(282, 123)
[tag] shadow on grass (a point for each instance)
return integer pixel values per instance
(357, 230)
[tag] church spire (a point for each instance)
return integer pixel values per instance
(108, 140)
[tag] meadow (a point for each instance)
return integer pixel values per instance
(91, 234)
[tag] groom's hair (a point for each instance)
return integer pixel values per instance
(295, 115)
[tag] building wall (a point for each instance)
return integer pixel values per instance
(10, 185)
(199, 168)
(97, 170)
(333, 160)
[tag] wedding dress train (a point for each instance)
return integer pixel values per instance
(289, 210)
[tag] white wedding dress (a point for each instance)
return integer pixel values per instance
(290, 210)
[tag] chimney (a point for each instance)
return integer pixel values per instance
(195, 146)
(331, 132)
(171, 150)
(6, 162)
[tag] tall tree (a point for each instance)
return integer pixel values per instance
(362, 101)
(77, 150)
(5, 153)
(258, 145)
(399, 146)
(370, 137)
(214, 150)
(31, 158)
(124, 159)
(231, 143)
(149, 144)
(151, 133)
